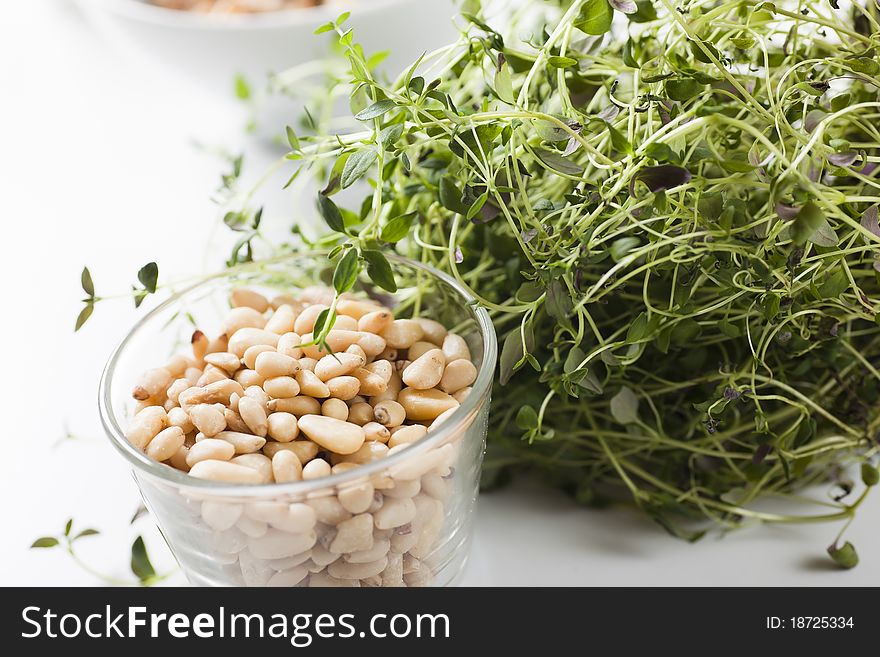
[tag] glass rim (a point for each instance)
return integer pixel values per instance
(462, 415)
(276, 19)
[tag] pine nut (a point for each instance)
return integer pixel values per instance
(251, 354)
(376, 432)
(462, 394)
(345, 323)
(282, 427)
(211, 375)
(360, 413)
(310, 384)
(282, 320)
(353, 535)
(272, 364)
(408, 434)
(224, 360)
(328, 510)
(369, 384)
(335, 408)
(244, 443)
(207, 419)
(221, 516)
(455, 347)
(392, 576)
(305, 450)
(370, 451)
(251, 527)
(248, 378)
(315, 469)
(381, 368)
(146, 425)
(199, 345)
(402, 333)
(339, 468)
(338, 340)
(394, 513)
(282, 299)
(244, 338)
(179, 459)
(286, 467)
(152, 383)
(177, 417)
(434, 332)
(177, 386)
(378, 551)
(281, 387)
(220, 343)
(424, 404)
(372, 344)
(288, 578)
(254, 416)
(307, 363)
(335, 365)
(343, 387)
(419, 348)
(257, 462)
(395, 384)
(243, 297)
(234, 421)
(426, 371)
(357, 350)
(258, 394)
(276, 544)
(375, 321)
(299, 406)
(210, 449)
(225, 471)
(356, 499)
(389, 413)
(240, 318)
(177, 365)
(166, 443)
(289, 345)
(440, 419)
(332, 434)
(305, 322)
(404, 489)
(356, 308)
(458, 374)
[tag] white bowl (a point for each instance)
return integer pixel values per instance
(213, 48)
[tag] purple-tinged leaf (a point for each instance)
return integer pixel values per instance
(459, 257)
(624, 6)
(843, 159)
(663, 176)
(870, 220)
(529, 234)
(812, 120)
(786, 212)
(609, 113)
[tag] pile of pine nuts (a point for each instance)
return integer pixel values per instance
(259, 404)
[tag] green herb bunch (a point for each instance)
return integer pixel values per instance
(674, 225)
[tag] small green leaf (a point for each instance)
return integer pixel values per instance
(844, 556)
(45, 542)
(397, 228)
(562, 62)
(504, 82)
(807, 222)
(326, 27)
(242, 88)
(527, 418)
(331, 214)
(683, 89)
(621, 247)
(450, 196)
(292, 139)
(346, 272)
(477, 205)
(638, 329)
(376, 110)
(140, 561)
(512, 353)
(323, 323)
(619, 142)
(148, 275)
(357, 166)
(595, 17)
(559, 163)
(824, 235)
(389, 136)
(87, 285)
(870, 474)
(379, 270)
(840, 102)
(68, 527)
(86, 532)
(625, 406)
(84, 315)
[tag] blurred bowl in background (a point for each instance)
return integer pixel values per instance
(211, 49)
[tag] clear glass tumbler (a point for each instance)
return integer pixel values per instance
(420, 502)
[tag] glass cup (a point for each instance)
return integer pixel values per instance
(404, 520)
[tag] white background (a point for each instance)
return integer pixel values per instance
(97, 166)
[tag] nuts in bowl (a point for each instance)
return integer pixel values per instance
(270, 458)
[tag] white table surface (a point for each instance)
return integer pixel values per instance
(97, 166)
